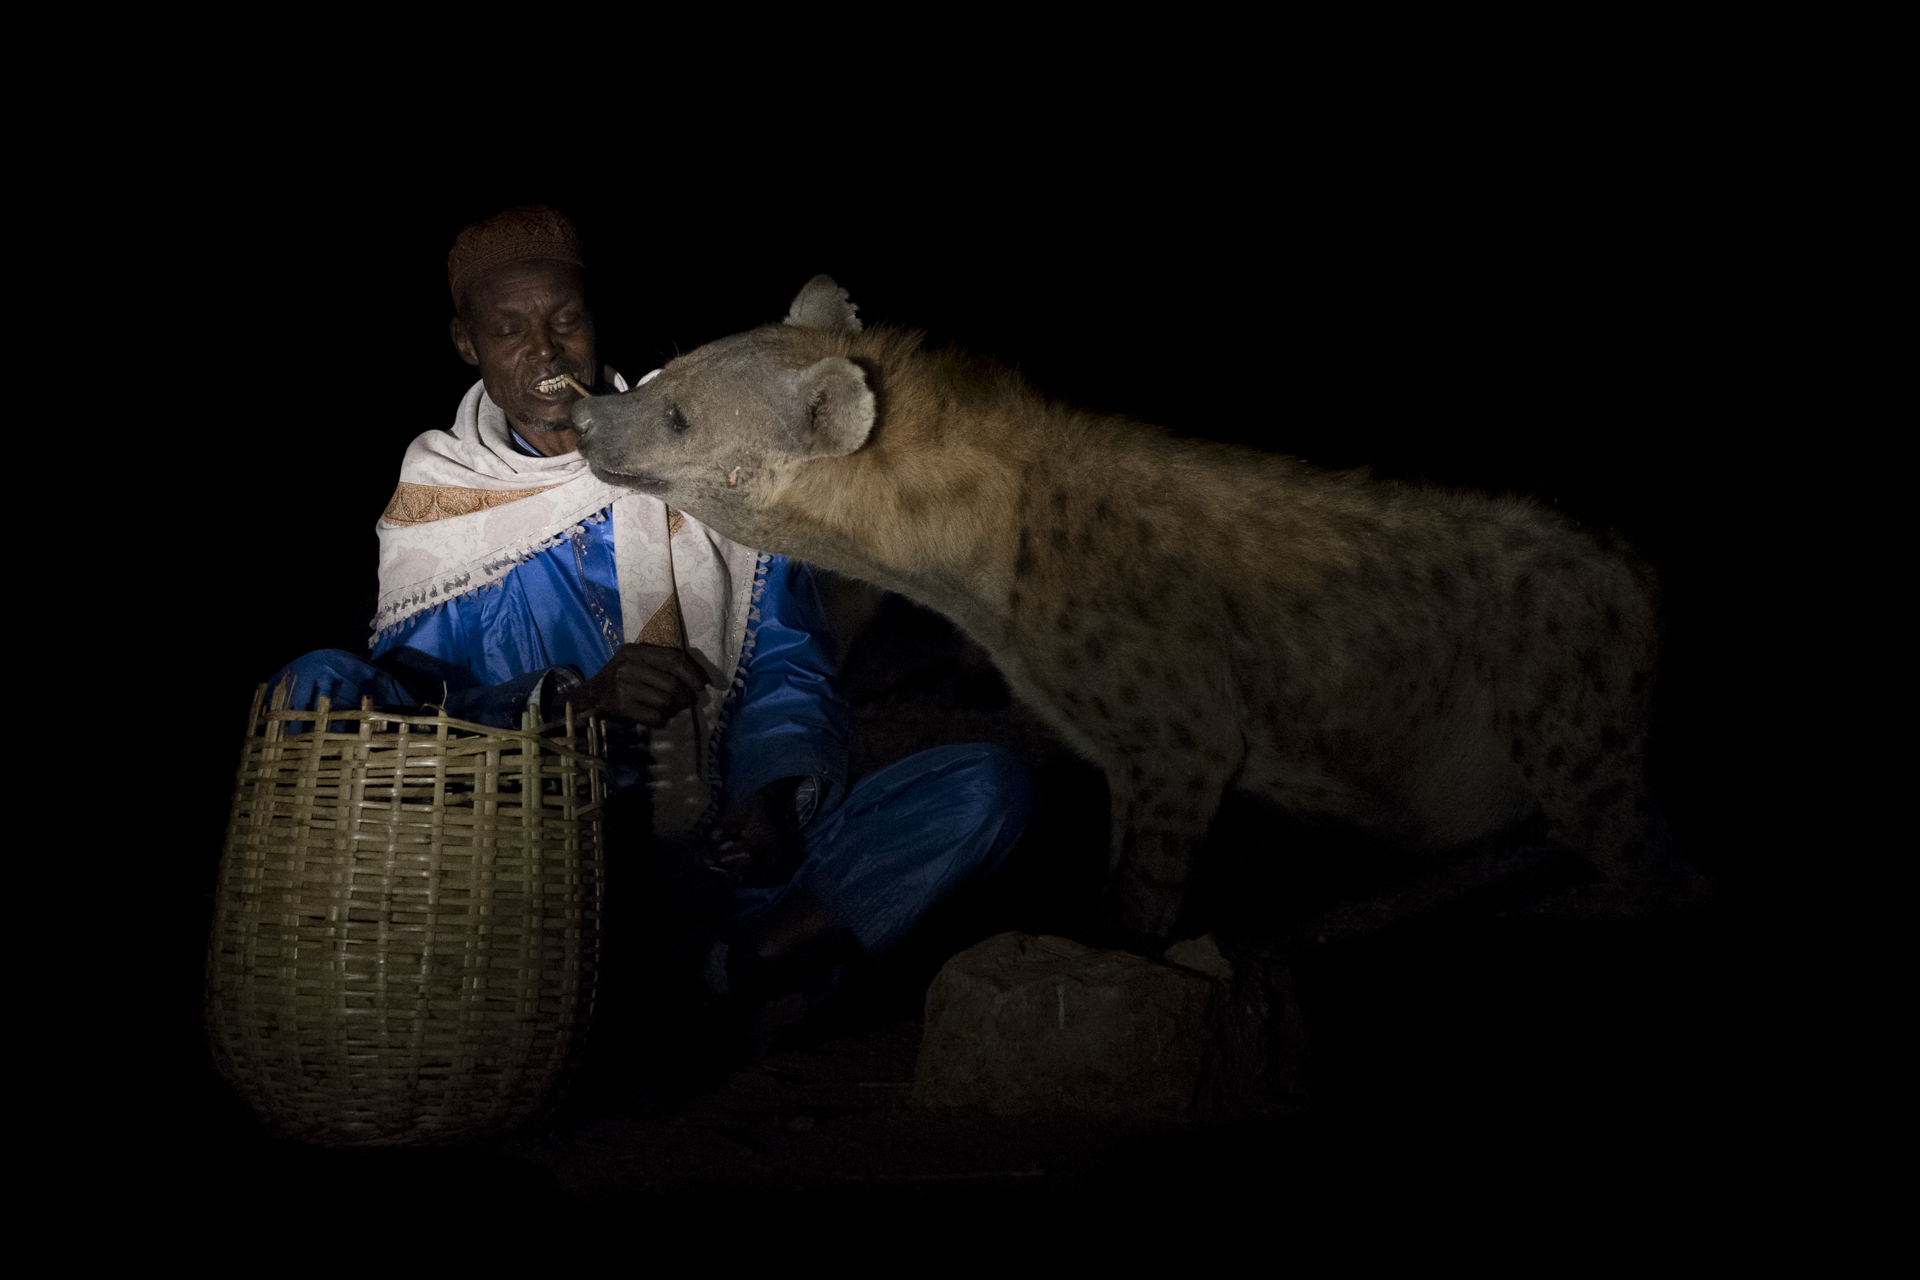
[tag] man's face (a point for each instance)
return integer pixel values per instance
(525, 323)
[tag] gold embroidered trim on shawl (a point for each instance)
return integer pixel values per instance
(663, 628)
(425, 503)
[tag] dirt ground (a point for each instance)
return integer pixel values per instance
(1514, 1042)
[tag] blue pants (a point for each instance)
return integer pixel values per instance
(904, 839)
(895, 846)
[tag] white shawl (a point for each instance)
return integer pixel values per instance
(470, 508)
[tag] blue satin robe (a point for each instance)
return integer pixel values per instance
(881, 853)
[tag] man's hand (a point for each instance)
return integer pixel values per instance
(754, 843)
(645, 683)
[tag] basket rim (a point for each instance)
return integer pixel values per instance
(321, 734)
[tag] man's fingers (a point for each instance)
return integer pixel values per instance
(667, 682)
(658, 657)
(649, 683)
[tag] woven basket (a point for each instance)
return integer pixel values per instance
(404, 949)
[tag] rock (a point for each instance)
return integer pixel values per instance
(1200, 954)
(1023, 1022)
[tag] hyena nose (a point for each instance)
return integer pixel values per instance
(583, 422)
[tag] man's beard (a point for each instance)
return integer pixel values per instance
(563, 423)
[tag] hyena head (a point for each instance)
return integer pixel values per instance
(719, 429)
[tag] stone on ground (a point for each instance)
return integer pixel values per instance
(1024, 1023)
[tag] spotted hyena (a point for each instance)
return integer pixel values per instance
(1434, 666)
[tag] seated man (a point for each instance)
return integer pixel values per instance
(510, 577)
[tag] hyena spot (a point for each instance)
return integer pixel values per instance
(1143, 530)
(1613, 618)
(1147, 729)
(1023, 563)
(1607, 796)
(1101, 511)
(1135, 772)
(1583, 773)
(1442, 580)
(1096, 648)
(1519, 750)
(1553, 627)
(1070, 696)
(1100, 705)
(1060, 542)
(1013, 600)
(1556, 757)
(1164, 809)
(1182, 734)
(1523, 590)
(1215, 755)
(1232, 609)
(1640, 682)
(1130, 695)
(1064, 622)
(1611, 739)
(1196, 783)
(1069, 659)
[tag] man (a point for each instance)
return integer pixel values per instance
(510, 576)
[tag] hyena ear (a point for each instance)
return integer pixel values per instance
(837, 408)
(822, 304)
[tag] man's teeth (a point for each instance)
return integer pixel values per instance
(550, 384)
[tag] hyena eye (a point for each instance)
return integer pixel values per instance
(676, 420)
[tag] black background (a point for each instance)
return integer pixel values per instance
(1547, 294)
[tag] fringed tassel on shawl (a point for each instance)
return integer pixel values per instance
(393, 619)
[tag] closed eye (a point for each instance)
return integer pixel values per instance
(675, 418)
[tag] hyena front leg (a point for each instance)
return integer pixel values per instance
(1160, 816)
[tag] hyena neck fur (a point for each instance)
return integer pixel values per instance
(928, 506)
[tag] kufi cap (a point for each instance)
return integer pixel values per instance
(512, 235)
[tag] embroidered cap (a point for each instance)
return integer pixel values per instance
(512, 235)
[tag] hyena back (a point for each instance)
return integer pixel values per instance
(1433, 666)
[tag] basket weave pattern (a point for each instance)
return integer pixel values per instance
(406, 932)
